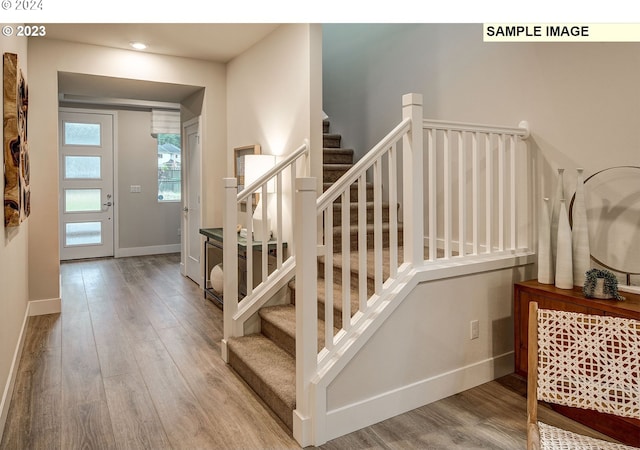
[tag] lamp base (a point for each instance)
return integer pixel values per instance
(258, 228)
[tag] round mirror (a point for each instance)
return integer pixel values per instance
(612, 198)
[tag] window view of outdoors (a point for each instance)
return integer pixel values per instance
(169, 168)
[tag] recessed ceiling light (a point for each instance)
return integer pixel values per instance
(138, 45)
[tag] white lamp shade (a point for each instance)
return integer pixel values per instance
(257, 165)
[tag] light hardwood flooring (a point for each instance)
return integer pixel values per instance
(133, 362)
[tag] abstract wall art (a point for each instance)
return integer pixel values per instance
(17, 193)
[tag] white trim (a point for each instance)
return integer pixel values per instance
(42, 307)
(148, 250)
(381, 407)
(185, 164)
(13, 372)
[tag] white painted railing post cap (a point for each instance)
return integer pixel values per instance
(411, 99)
(230, 182)
(306, 184)
(525, 125)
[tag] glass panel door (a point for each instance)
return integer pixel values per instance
(86, 184)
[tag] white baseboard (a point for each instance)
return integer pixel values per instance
(13, 372)
(149, 250)
(42, 307)
(353, 417)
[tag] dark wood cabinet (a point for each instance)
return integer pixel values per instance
(550, 297)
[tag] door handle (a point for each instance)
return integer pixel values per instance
(185, 209)
(107, 204)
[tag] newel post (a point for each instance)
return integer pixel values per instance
(412, 192)
(230, 259)
(305, 238)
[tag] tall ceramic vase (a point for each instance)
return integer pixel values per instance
(564, 254)
(580, 234)
(545, 257)
(555, 211)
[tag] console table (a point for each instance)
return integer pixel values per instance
(549, 297)
(214, 245)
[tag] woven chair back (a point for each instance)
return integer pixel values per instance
(589, 362)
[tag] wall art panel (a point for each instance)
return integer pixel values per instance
(17, 201)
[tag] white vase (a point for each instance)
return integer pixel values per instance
(217, 278)
(564, 254)
(555, 211)
(598, 291)
(580, 234)
(545, 257)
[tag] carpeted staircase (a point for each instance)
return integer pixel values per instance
(266, 360)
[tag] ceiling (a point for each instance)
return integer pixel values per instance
(209, 42)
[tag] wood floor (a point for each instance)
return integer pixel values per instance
(133, 362)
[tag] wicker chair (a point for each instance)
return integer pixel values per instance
(583, 361)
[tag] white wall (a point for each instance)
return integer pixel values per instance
(274, 94)
(423, 352)
(47, 58)
(14, 258)
(581, 99)
(143, 221)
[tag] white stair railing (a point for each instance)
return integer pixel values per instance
(237, 311)
(470, 166)
(477, 183)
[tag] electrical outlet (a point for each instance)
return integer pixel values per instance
(474, 329)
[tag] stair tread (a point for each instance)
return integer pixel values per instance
(274, 366)
(338, 150)
(354, 228)
(283, 317)
(336, 166)
(354, 205)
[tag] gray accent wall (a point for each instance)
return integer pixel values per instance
(142, 220)
(581, 99)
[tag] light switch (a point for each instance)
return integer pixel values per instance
(135, 188)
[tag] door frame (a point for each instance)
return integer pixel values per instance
(185, 184)
(114, 195)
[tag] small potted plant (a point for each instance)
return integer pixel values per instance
(601, 283)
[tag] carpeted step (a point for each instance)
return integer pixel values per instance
(353, 230)
(353, 212)
(325, 126)
(269, 370)
(337, 301)
(337, 156)
(353, 191)
(332, 172)
(330, 140)
(279, 324)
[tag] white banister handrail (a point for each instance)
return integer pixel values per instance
(522, 130)
(331, 194)
(237, 312)
(279, 167)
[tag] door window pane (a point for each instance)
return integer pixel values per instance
(82, 200)
(84, 167)
(169, 167)
(82, 134)
(83, 233)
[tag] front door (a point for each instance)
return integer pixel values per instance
(192, 209)
(86, 185)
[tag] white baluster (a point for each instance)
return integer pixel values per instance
(433, 196)
(462, 196)
(393, 212)
(446, 199)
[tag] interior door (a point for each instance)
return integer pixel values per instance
(86, 185)
(191, 206)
